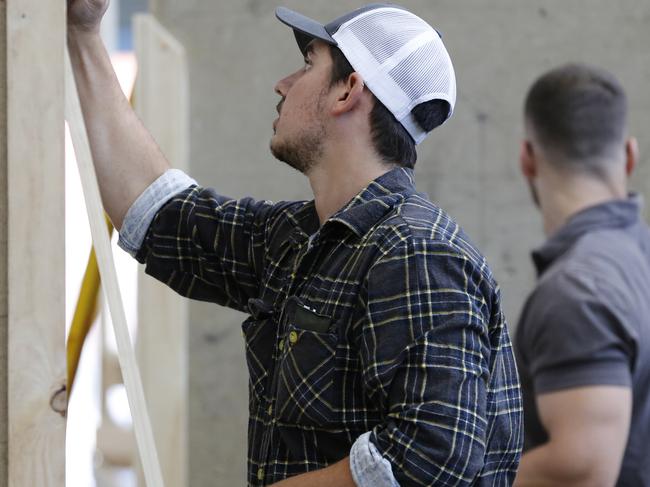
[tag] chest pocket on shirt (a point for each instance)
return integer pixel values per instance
(306, 393)
(260, 331)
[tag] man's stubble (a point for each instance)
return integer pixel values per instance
(304, 149)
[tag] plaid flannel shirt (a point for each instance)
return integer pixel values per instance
(385, 320)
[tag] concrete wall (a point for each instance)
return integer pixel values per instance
(237, 50)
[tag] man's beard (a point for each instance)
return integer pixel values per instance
(303, 151)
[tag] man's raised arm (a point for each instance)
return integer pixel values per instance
(126, 157)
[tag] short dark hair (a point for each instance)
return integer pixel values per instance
(579, 112)
(392, 142)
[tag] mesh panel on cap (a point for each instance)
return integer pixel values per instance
(422, 72)
(384, 32)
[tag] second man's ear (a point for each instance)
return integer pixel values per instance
(527, 159)
(631, 155)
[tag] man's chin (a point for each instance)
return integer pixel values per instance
(283, 154)
(276, 147)
(300, 151)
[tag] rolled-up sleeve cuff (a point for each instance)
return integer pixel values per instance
(368, 467)
(142, 212)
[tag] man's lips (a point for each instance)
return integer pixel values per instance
(278, 108)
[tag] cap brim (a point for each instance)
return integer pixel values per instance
(304, 28)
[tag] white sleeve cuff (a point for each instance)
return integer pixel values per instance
(368, 467)
(142, 212)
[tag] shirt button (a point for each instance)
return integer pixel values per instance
(293, 337)
(260, 473)
(281, 345)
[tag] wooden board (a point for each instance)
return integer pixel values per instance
(161, 101)
(35, 293)
(3, 246)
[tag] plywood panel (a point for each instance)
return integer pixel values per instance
(161, 100)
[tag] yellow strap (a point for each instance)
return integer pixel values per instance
(84, 314)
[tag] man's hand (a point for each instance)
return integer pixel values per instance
(86, 15)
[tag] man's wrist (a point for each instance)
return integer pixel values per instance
(84, 46)
(78, 34)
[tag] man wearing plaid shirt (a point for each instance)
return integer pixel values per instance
(376, 345)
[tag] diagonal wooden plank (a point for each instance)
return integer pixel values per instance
(101, 241)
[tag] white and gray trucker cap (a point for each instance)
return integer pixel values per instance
(400, 57)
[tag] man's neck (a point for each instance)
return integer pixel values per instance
(567, 197)
(340, 177)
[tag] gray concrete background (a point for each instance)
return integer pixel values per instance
(237, 50)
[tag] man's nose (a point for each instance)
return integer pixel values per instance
(284, 85)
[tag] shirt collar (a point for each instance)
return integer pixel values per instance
(362, 211)
(374, 201)
(305, 221)
(608, 215)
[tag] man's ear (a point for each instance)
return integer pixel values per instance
(631, 155)
(528, 160)
(349, 94)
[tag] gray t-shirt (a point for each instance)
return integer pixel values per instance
(588, 321)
